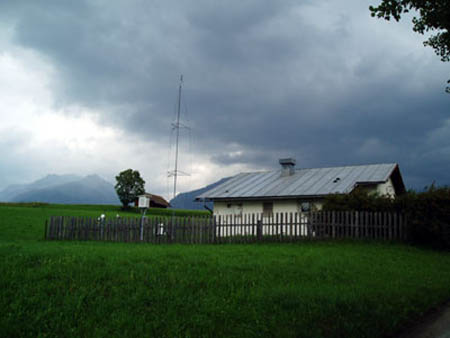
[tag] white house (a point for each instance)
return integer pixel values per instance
(291, 190)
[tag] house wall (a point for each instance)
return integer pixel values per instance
(224, 208)
(386, 189)
(382, 189)
(239, 208)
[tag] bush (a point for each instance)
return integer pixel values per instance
(428, 212)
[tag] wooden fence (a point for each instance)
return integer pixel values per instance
(286, 227)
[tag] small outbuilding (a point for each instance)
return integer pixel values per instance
(156, 201)
(294, 190)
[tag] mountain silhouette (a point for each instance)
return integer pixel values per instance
(185, 200)
(64, 189)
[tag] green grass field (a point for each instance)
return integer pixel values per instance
(307, 289)
(26, 221)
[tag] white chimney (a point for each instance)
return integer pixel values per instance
(287, 166)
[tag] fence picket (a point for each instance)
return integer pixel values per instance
(278, 226)
(49, 234)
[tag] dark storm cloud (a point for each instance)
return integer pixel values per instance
(264, 79)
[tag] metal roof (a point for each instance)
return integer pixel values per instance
(313, 182)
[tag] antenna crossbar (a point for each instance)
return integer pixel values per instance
(177, 173)
(179, 125)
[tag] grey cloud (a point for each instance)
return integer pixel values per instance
(12, 145)
(260, 81)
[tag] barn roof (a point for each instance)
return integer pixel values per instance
(314, 182)
(156, 199)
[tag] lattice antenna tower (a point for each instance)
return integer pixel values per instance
(176, 127)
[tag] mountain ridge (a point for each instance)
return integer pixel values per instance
(90, 189)
(64, 189)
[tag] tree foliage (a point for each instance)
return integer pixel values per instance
(434, 15)
(129, 186)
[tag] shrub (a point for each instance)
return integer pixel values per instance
(428, 212)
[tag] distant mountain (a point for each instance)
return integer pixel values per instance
(65, 189)
(10, 192)
(185, 200)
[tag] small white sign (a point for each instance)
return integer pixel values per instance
(144, 202)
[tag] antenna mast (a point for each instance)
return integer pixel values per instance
(176, 126)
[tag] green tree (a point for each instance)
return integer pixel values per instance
(434, 15)
(129, 186)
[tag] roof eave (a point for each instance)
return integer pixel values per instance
(258, 198)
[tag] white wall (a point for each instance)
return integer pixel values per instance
(240, 213)
(286, 206)
(386, 189)
(382, 189)
(256, 207)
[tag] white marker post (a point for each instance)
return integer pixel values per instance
(143, 204)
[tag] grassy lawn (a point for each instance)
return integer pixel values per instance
(26, 221)
(308, 289)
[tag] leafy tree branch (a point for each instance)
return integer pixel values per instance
(432, 16)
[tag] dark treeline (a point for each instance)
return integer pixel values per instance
(428, 212)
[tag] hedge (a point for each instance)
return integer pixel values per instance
(428, 212)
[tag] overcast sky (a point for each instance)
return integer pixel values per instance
(91, 87)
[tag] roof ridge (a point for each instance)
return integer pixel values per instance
(329, 167)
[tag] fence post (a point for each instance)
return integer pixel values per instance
(56, 222)
(218, 229)
(390, 226)
(45, 229)
(291, 226)
(401, 227)
(333, 224)
(259, 229)
(170, 224)
(296, 229)
(141, 226)
(56, 226)
(60, 228)
(307, 219)
(213, 225)
(279, 227)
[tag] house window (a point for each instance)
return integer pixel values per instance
(267, 208)
(305, 207)
(234, 209)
